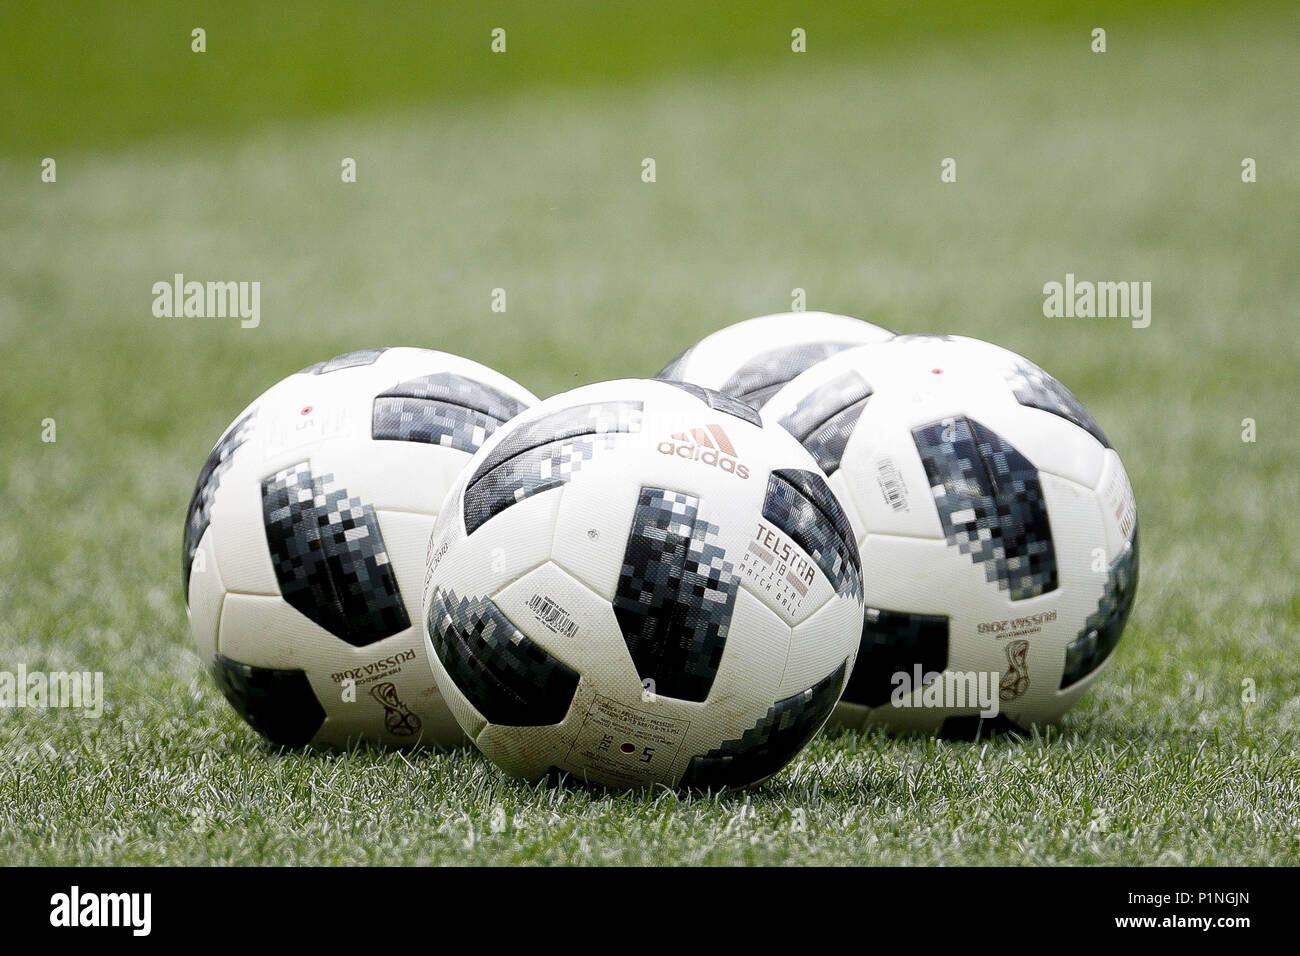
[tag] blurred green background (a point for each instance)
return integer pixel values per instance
(108, 74)
(775, 170)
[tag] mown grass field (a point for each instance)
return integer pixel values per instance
(774, 171)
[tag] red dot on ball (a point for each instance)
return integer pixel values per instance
(306, 410)
(937, 371)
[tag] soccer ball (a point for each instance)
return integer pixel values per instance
(752, 359)
(997, 526)
(638, 582)
(305, 538)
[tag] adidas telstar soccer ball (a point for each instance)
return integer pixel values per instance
(638, 582)
(997, 527)
(752, 359)
(305, 540)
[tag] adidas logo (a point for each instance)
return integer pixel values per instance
(708, 444)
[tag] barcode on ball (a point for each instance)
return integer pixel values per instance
(552, 615)
(891, 484)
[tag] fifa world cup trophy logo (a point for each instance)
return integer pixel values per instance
(399, 719)
(1015, 681)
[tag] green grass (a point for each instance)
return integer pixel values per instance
(772, 174)
(78, 75)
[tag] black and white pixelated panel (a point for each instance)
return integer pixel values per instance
(990, 503)
(802, 505)
(824, 420)
(599, 418)
(673, 370)
(675, 596)
(279, 704)
(346, 360)
(442, 409)
(205, 490)
(544, 454)
(1035, 388)
(529, 473)
(922, 337)
(1101, 632)
(720, 402)
(508, 678)
(329, 557)
(771, 743)
(895, 642)
(762, 376)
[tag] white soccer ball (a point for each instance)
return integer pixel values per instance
(997, 528)
(305, 540)
(638, 582)
(752, 359)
